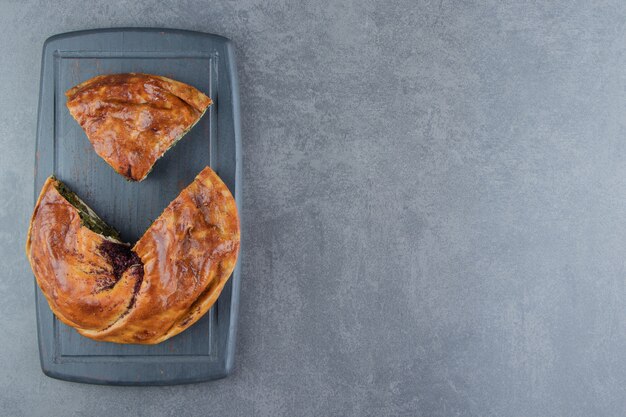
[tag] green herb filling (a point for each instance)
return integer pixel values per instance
(88, 218)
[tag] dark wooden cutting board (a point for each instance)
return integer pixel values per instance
(205, 351)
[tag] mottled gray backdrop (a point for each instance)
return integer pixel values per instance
(435, 209)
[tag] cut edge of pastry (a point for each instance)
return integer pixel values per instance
(174, 143)
(88, 217)
(202, 303)
(185, 92)
(110, 247)
(91, 221)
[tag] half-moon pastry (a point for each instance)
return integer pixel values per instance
(145, 294)
(133, 119)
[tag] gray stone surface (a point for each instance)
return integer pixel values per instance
(435, 209)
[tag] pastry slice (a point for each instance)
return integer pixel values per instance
(145, 294)
(133, 119)
(88, 276)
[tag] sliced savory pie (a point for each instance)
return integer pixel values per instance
(133, 119)
(145, 294)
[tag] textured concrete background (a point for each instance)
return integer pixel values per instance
(435, 209)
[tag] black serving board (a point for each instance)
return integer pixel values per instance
(204, 351)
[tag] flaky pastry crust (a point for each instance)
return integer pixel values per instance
(133, 119)
(149, 293)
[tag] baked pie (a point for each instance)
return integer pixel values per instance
(143, 294)
(133, 119)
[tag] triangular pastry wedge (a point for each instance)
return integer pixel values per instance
(133, 119)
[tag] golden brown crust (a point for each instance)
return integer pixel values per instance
(133, 119)
(69, 266)
(187, 256)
